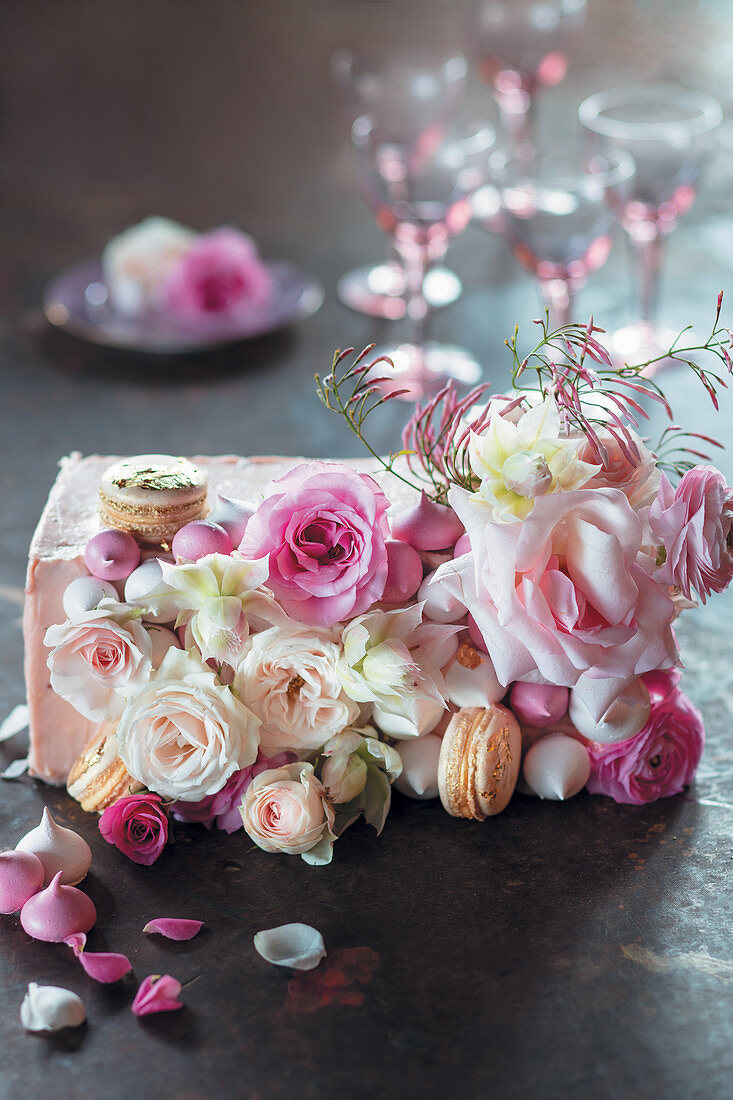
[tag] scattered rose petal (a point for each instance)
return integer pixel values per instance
(157, 993)
(16, 721)
(296, 945)
(15, 769)
(174, 928)
(104, 966)
(77, 942)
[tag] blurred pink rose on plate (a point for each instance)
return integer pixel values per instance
(219, 277)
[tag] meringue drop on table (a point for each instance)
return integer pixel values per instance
(51, 1008)
(556, 767)
(54, 914)
(61, 851)
(21, 876)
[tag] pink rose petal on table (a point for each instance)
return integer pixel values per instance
(174, 928)
(105, 966)
(157, 993)
(77, 942)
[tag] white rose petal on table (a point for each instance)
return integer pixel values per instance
(299, 946)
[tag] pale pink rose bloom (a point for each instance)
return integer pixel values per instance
(694, 523)
(660, 760)
(323, 529)
(98, 659)
(289, 677)
(562, 592)
(285, 810)
(638, 477)
(220, 276)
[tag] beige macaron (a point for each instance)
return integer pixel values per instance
(152, 496)
(99, 778)
(479, 761)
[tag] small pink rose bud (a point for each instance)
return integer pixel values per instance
(200, 538)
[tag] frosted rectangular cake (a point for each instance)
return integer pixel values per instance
(58, 734)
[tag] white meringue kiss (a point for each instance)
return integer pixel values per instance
(59, 849)
(86, 593)
(556, 767)
(625, 717)
(419, 778)
(470, 680)
(51, 1008)
(299, 946)
(440, 605)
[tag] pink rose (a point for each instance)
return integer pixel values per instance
(694, 524)
(285, 810)
(562, 592)
(637, 477)
(219, 276)
(137, 825)
(222, 809)
(659, 761)
(323, 528)
(98, 659)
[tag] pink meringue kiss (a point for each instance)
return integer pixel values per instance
(200, 538)
(21, 876)
(60, 850)
(112, 555)
(539, 704)
(427, 525)
(404, 572)
(58, 912)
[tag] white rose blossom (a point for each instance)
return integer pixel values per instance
(393, 660)
(348, 757)
(186, 733)
(99, 658)
(137, 262)
(285, 810)
(289, 678)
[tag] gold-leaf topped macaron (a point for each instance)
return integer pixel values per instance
(479, 761)
(99, 778)
(152, 496)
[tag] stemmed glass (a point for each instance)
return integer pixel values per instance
(421, 193)
(408, 93)
(668, 131)
(521, 49)
(557, 211)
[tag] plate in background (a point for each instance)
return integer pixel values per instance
(77, 301)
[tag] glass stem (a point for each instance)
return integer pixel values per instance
(417, 263)
(558, 298)
(517, 111)
(649, 263)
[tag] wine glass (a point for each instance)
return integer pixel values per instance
(668, 130)
(557, 211)
(414, 90)
(421, 193)
(521, 49)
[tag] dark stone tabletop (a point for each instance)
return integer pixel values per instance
(579, 950)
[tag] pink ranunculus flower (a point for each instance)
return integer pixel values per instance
(694, 523)
(137, 825)
(562, 592)
(222, 809)
(98, 659)
(285, 810)
(220, 276)
(323, 528)
(660, 760)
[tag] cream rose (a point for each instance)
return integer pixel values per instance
(99, 658)
(289, 678)
(185, 733)
(285, 810)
